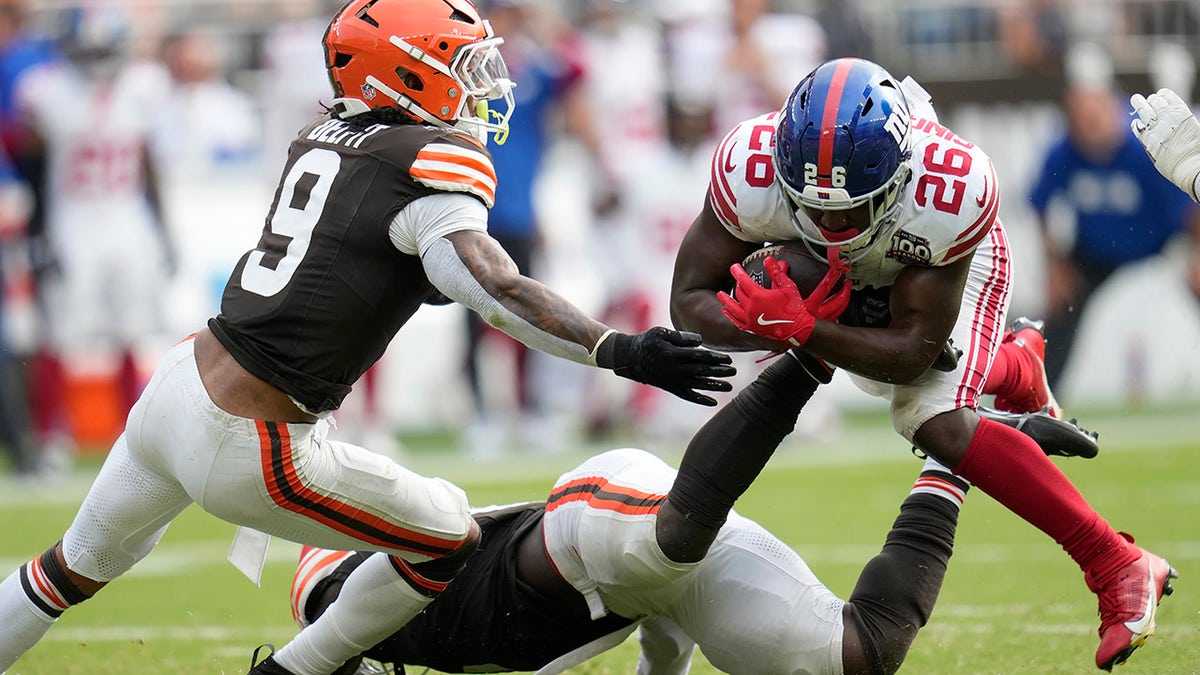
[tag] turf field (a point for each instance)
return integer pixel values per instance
(1012, 602)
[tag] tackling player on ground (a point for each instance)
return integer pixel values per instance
(557, 582)
(857, 165)
(382, 204)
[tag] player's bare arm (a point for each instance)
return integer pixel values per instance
(479, 274)
(702, 269)
(924, 308)
(532, 301)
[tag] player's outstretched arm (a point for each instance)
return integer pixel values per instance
(474, 270)
(1170, 132)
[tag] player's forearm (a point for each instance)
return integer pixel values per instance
(887, 355)
(699, 312)
(483, 279)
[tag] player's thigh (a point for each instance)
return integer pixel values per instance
(754, 606)
(977, 333)
(335, 495)
(288, 480)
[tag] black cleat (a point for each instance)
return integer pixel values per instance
(1064, 438)
(267, 666)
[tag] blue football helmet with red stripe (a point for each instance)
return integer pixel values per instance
(843, 142)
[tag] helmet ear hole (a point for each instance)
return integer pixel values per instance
(410, 79)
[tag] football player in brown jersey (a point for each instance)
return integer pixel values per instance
(382, 206)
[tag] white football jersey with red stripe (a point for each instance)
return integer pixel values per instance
(949, 205)
(95, 131)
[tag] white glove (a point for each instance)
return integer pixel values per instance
(1170, 133)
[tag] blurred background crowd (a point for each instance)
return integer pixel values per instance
(141, 141)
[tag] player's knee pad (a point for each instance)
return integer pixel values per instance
(445, 568)
(429, 578)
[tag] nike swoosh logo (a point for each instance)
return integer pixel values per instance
(729, 161)
(763, 321)
(982, 199)
(1140, 624)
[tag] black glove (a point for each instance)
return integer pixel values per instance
(669, 360)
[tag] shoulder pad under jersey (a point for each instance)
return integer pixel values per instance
(954, 196)
(742, 187)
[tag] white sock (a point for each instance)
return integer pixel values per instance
(937, 480)
(22, 624)
(374, 603)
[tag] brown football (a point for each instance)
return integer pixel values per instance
(803, 268)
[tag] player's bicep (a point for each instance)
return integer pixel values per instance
(465, 263)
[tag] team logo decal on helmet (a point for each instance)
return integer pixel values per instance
(436, 59)
(843, 142)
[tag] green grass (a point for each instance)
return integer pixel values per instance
(1012, 602)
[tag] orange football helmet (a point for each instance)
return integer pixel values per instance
(436, 59)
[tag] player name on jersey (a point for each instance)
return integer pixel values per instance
(338, 132)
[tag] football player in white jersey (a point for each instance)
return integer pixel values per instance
(857, 165)
(92, 114)
(1169, 131)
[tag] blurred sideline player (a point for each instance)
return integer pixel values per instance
(856, 166)
(383, 202)
(15, 435)
(624, 75)
(557, 582)
(643, 232)
(105, 252)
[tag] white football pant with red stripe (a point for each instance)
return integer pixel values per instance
(978, 332)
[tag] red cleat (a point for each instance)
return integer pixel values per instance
(1025, 335)
(1128, 605)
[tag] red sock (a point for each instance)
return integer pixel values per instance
(1005, 367)
(1009, 466)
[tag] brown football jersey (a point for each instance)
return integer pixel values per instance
(319, 298)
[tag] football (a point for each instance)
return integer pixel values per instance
(803, 268)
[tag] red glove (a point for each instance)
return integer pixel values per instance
(780, 313)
